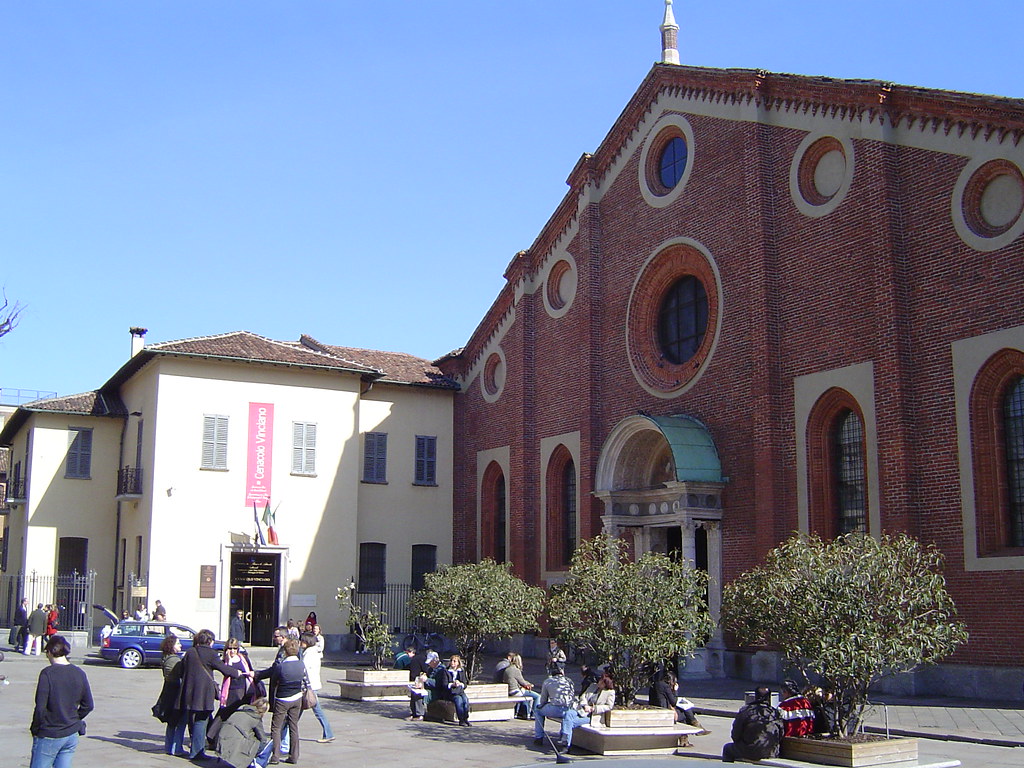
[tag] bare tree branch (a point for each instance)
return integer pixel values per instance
(9, 315)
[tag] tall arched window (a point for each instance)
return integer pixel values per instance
(562, 524)
(837, 465)
(997, 443)
(493, 511)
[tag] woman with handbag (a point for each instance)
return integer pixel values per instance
(287, 676)
(312, 658)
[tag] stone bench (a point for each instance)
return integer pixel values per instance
(488, 702)
(634, 740)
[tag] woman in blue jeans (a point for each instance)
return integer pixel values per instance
(520, 686)
(63, 699)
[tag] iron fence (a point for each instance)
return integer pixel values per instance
(129, 481)
(72, 593)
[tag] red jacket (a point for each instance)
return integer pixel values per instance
(797, 716)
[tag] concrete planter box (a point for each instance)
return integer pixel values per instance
(848, 753)
(378, 675)
(375, 685)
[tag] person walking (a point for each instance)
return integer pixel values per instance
(236, 628)
(198, 688)
(286, 675)
(52, 620)
(36, 631)
(312, 657)
(63, 699)
(19, 633)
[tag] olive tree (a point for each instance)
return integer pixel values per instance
(476, 602)
(847, 612)
(631, 614)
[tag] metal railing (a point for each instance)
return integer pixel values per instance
(15, 489)
(11, 396)
(393, 602)
(72, 593)
(129, 481)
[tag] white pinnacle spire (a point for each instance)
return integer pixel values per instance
(669, 36)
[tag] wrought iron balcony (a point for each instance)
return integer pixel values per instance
(14, 493)
(129, 481)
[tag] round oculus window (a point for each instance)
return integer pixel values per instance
(672, 162)
(672, 319)
(993, 199)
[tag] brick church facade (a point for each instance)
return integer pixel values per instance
(768, 303)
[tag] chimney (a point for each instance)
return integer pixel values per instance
(138, 339)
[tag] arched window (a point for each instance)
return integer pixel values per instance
(493, 510)
(837, 465)
(997, 444)
(562, 523)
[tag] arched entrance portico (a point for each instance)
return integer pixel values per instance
(661, 482)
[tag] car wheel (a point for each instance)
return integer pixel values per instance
(130, 658)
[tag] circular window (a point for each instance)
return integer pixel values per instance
(994, 198)
(672, 319)
(821, 174)
(666, 160)
(493, 378)
(560, 287)
(683, 319)
(672, 162)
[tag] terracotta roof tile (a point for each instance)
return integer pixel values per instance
(396, 366)
(244, 345)
(85, 404)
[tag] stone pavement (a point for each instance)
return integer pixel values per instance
(122, 732)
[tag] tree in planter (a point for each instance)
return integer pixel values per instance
(369, 624)
(847, 612)
(475, 602)
(631, 614)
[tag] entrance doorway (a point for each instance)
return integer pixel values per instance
(255, 580)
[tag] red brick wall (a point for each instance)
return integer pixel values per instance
(883, 279)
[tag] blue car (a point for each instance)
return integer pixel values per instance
(134, 643)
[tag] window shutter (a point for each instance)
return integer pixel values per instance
(310, 457)
(85, 452)
(209, 435)
(369, 446)
(298, 443)
(221, 454)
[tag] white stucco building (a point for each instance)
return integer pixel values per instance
(151, 480)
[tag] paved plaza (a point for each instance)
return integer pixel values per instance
(121, 731)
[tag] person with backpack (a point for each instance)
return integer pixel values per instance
(756, 731)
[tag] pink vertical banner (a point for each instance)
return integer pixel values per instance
(261, 442)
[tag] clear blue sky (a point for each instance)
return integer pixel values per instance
(359, 171)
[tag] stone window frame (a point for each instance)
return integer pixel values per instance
(490, 465)
(858, 381)
(668, 127)
(975, 363)
(988, 443)
(966, 193)
(824, 420)
(811, 149)
(670, 261)
(555, 452)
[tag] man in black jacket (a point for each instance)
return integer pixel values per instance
(756, 731)
(63, 699)
(20, 631)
